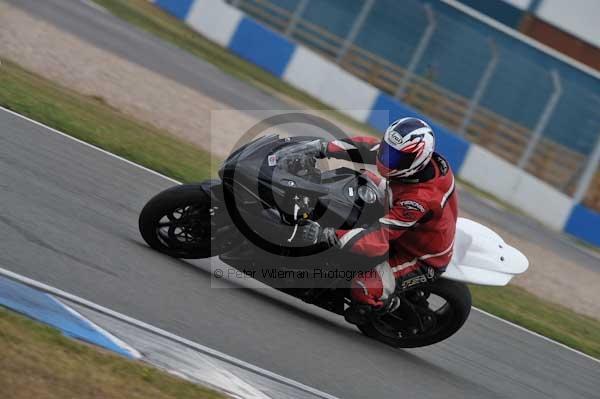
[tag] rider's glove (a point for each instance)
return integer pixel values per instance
(323, 149)
(319, 148)
(312, 232)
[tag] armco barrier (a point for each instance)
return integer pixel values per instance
(330, 84)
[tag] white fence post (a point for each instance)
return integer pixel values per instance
(358, 23)
(481, 86)
(419, 51)
(296, 17)
(543, 121)
(587, 176)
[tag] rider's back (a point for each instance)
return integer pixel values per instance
(431, 239)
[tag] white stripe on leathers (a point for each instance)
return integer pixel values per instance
(423, 257)
(349, 235)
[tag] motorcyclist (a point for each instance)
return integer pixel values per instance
(417, 231)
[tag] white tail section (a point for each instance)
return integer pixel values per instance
(482, 257)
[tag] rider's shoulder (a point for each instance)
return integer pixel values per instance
(442, 164)
(416, 194)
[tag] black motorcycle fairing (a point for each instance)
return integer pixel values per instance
(257, 182)
(253, 180)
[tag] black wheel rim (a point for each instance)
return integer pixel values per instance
(185, 227)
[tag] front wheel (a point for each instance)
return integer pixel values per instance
(426, 316)
(180, 222)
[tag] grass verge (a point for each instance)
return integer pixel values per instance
(37, 361)
(152, 19)
(93, 121)
(548, 319)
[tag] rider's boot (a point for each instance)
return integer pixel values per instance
(361, 313)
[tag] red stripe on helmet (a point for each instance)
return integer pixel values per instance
(416, 147)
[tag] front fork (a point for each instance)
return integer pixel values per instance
(223, 231)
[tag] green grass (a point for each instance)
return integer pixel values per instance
(585, 244)
(92, 120)
(152, 19)
(37, 361)
(548, 319)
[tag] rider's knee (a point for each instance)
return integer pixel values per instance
(375, 286)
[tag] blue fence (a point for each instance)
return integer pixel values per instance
(457, 56)
(273, 52)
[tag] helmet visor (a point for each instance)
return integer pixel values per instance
(394, 159)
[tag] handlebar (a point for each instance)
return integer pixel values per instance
(299, 159)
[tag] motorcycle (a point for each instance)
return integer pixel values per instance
(270, 186)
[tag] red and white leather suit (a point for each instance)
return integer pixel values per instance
(417, 231)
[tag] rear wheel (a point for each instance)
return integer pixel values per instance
(179, 222)
(427, 316)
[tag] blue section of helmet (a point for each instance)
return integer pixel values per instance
(387, 109)
(408, 126)
(391, 158)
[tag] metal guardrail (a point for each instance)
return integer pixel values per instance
(524, 146)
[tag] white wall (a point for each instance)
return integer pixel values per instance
(579, 17)
(522, 4)
(214, 19)
(489, 172)
(329, 83)
(517, 188)
(542, 201)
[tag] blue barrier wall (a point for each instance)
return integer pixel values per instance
(178, 8)
(261, 46)
(585, 224)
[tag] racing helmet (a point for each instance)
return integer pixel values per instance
(406, 148)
